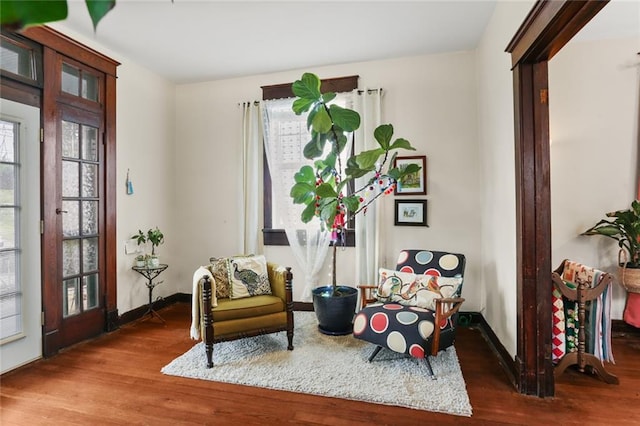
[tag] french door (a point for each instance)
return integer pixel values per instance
(73, 205)
(73, 89)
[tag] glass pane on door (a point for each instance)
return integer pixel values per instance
(80, 217)
(71, 297)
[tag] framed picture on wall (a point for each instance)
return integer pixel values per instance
(413, 183)
(411, 213)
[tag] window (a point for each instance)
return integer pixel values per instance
(79, 82)
(20, 59)
(291, 131)
(10, 289)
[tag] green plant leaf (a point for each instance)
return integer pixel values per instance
(346, 119)
(98, 9)
(302, 192)
(409, 169)
(401, 143)
(607, 230)
(307, 87)
(351, 202)
(328, 97)
(308, 213)
(301, 105)
(328, 212)
(315, 147)
(383, 134)
(341, 143)
(20, 13)
(305, 175)
(326, 190)
(321, 122)
(368, 159)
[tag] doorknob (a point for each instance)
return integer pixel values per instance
(58, 211)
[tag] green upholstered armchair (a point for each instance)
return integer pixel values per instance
(224, 319)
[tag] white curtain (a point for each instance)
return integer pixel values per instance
(285, 135)
(368, 104)
(251, 177)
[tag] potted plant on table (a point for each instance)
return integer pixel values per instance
(322, 188)
(155, 237)
(624, 227)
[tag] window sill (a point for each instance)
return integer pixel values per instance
(278, 237)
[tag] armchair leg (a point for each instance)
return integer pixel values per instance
(209, 350)
(290, 339)
(431, 375)
(375, 352)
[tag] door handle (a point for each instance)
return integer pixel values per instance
(58, 211)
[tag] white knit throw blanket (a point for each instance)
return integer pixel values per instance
(196, 298)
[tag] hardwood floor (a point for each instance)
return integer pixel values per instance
(116, 380)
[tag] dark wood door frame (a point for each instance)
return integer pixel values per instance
(54, 43)
(545, 30)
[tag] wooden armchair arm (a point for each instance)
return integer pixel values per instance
(366, 294)
(454, 304)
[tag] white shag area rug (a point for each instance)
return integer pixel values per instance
(331, 366)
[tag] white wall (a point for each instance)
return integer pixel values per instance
(593, 89)
(497, 163)
(430, 100)
(593, 103)
(145, 130)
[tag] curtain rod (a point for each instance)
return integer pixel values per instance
(359, 91)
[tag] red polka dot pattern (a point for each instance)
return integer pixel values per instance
(379, 322)
(433, 272)
(392, 307)
(416, 351)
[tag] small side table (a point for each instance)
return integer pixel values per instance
(151, 273)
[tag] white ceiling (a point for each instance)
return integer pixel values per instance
(200, 40)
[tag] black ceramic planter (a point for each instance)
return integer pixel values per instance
(335, 313)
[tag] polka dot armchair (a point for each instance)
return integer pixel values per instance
(415, 307)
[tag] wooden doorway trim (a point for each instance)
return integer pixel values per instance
(545, 30)
(53, 43)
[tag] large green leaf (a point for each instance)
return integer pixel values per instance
(346, 119)
(314, 148)
(98, 9)
(352, 202)
(21, 13)
(326, 190)
(383, 134)
(307, 87)
(301, 105)
(302, 193)
(321, 121)
(308, 213)
(368, 159)
(401, 143)
(604, 229)
(328, 212)
(305, 175)
(328, 97)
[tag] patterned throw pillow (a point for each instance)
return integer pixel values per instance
(248, 276)
(415, 290)
(220, 271)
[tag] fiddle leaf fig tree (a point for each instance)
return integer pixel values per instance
(322, 188)
(17, 14)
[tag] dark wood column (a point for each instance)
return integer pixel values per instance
(535, 370)
(545, 30)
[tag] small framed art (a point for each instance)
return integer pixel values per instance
(411, 213)
(413, 183)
